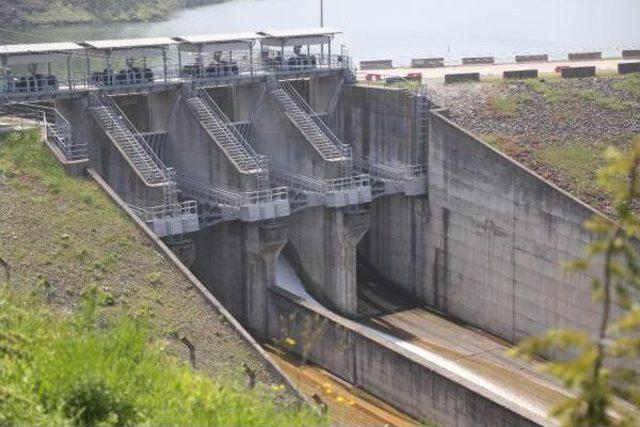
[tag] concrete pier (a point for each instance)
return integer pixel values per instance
(323, 243)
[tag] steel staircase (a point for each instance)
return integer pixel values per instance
(309, 124)
(225, 134)
(135, 148)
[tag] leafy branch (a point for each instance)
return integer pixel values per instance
(601, 368)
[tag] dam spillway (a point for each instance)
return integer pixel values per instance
(256, 165)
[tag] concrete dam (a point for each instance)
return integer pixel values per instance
(398, 251)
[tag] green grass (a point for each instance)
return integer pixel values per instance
(560, 96)
(550, 94)
(606, 102)
(32, 12)
(576, 160)
(507, 105)
(62, 235)
(60, 370)
(629, 83)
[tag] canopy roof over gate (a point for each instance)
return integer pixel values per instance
(130, 48)
(15, 54)
(308, 36)
(217, 42)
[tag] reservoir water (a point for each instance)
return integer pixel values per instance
(401, 29)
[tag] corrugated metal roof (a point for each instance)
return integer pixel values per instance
(218, 38)
(129, 43)
(22, 49)
(304, 32)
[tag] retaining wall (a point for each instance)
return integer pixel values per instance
(416, 386)
(497, 236)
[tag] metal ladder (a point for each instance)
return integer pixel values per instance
(4, 101)
(311, 126)
(115, 123)
(422, 107)
(213, 119)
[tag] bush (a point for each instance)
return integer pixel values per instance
(62, 370)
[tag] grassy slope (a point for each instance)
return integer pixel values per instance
(61, 370)
(61, 234)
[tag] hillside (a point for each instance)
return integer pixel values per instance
(16, 13)
(64, 239)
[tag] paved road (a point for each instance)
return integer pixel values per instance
(496, 70)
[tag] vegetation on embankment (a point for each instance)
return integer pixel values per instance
(60, 370)
(15, 13)
(557, 127)
(66, 243)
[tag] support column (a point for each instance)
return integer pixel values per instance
(323, 250)
(237, 262)
(263, 251)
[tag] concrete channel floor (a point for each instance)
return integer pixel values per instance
(467, 352)
(347, 405)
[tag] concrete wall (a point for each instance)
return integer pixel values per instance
(236, 262)
(136, 108)
(194, 153)
(496, 238)
(275, 136)
(323, 246)
(382, 123)
(378, 122)
(396, 243)
(321, 92)
(385, 370)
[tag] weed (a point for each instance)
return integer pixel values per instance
(63, 370)
(606, 102)
(629, 83)
(155, 278)
(507, 105)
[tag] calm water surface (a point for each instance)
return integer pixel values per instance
(402, 29)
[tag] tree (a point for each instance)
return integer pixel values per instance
(602, 370)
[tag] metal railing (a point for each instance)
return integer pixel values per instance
(226, 197)
(224, 133)
(57, 127)
(321, 186)
(174, 74)
(379, 170)
(300, 101)
(261, 161)
(130, 141)
(310, 124)
(220, 204)
(152, 213)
